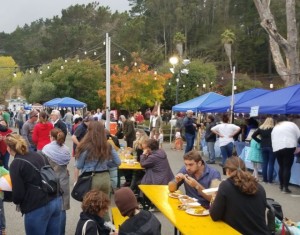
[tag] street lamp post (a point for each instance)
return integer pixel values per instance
(174, 61)
(177, 86)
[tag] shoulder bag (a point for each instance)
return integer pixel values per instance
(83, 185)
(84, 227)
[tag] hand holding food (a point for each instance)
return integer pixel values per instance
(172, 186)
(190, 181)
(179, 177)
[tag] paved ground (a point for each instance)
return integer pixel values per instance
(290, 204)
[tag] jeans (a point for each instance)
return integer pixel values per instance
(6, 160)
(211, 151)
(44, 220)
(69, 127)
(285, 158)
(189, 142)
(268, 164)
(63, 220)
(226, 152)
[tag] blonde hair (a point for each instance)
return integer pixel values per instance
(17, 143)
(142, 138)
(268, 124)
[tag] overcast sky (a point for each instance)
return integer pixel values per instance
(20, 12)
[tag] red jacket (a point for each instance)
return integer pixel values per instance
(3, 146)
(41, 134)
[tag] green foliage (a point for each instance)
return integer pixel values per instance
(79, 80)
(243, 82)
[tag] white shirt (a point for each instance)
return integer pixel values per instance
(226, 130)
(285, 135)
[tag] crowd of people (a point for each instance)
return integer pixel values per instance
(42, 141)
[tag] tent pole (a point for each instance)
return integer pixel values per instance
(232, 94)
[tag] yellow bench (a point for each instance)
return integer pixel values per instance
(117, 218)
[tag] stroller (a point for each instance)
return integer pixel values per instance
(275, 211)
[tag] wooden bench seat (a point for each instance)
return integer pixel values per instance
(117, 218)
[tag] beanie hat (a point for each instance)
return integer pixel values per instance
(125, 201)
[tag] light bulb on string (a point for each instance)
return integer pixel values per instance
(155, 72)
(123, 58)
(119, 54)
(66, 61)
(30, 71)
(95, 53)
(155, 78)
(104, 43)
(15, 74)
(169, 84)
(271, 85)
(41, 72)
(135, 63)
(197, 85)
(139, 70)
(183, 86)
(78, 60)
(62, 67)
(204, 86)
(85, 52)
(48, 67)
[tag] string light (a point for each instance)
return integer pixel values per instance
(119, 54)
(78, 60)
(62, 67)
(123, 58)
(204, 86)
(135, 63)
(95, 53)
(66, 61)
(41, 72)
(48, 67)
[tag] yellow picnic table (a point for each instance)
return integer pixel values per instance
(187, 224)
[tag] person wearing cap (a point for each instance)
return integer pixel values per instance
(57, 122)
(190, 130)
(140, 222)
(27, 129)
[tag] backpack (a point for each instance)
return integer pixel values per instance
(49, 181)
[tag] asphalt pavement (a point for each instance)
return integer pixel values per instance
(289, 202)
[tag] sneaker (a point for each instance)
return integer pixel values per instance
(286, 191)
(210, 162)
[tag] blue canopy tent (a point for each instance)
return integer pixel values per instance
(282, 101)
(223, 105)
(197, 103)
(52, 103)
(65, 103)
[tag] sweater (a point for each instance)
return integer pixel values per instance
(245, 213)
(157, 167)
(41, 134)
(143, 223)
(25, 180)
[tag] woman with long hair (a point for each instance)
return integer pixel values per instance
(240, 200)
(140, 137)
(59, 156)
(41, 131)
(94, 153)
(42, 210)
(264, 131)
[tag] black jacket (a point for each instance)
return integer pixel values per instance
(94, 226)
(25, 180)
(209, 135)
(61, 125)
(265, 137)
(144, 223)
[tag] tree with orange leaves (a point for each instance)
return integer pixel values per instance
(132, 88)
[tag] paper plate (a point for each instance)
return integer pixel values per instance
(210, 191)
(174, 195)
(192, 212)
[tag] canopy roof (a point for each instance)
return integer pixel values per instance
(197, 103)
(65, 102)
(223, 105)
(282, 101)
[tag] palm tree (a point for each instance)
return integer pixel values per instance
(228, 38)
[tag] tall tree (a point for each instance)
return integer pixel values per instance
(282, 48)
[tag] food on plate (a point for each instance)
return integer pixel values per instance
(172, 186)
(184, 197)
(174, 195)
(199, 211)
(182, 207)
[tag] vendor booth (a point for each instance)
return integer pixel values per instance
(197, 103)
(282, 101)
(223, 105)
(65, 102)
